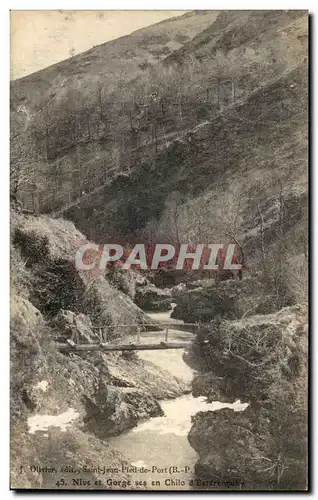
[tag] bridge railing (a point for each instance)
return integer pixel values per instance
(145, 328)
(103, 344)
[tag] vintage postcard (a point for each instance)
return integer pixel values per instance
(159, 250)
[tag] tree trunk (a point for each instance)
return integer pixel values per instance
(262, 234)
(233, 91)
(218, 94)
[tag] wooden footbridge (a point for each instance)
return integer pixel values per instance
(103, 345)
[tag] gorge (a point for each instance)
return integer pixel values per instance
(190, 131)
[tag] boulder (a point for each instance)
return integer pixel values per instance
(120, 409)
(229, 448)
(77, 327)
(151, 298)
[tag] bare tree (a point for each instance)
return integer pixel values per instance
(171, 218)
(261, 218)
(230, 222)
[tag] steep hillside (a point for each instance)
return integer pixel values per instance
(114, 61)
(65, 405)
(73, 100)
(259, 138)
(95, 125)
(191, 131)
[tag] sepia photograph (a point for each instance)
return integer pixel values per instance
(159, 250)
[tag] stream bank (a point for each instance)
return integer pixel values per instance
(158, 449)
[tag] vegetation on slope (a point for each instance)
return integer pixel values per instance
(261, 360)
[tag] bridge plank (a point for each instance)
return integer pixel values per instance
(122, 347)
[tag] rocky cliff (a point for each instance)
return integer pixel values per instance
(261, 360)
(64, 406)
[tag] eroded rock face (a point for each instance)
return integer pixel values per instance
(70, 397)
(108, 306)
(151, 298)
(53, 382)
(229, 446)
(48, 248)
(229, 299)
(77, 327)
(146, 376)
(248, 355)
(119, 409)
(261, 360)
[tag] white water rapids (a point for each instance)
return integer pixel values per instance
(162, 441)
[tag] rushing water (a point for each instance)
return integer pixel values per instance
(161, 443)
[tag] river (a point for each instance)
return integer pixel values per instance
(161, 442)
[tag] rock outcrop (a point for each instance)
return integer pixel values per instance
(261, 360)
(151, 298)
(204, 300)
(77, 327)
(230, 449)
(118, 409)
(48, 248)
